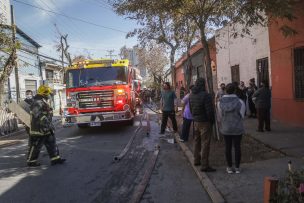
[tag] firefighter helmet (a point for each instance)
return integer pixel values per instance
(44, 90)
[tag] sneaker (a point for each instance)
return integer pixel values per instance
(208, 169)
(58, 161)
(33, 164)
(237, 170)
(229, 170)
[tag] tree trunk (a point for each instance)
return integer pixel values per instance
(172, 67)
(207, 62)
(7, 70)
(188, 72)
(1, 93)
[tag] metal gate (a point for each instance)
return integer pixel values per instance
(235, 73)
(299, 72)
(262, 70)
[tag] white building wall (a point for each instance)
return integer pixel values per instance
(22, 78)
(242, 51)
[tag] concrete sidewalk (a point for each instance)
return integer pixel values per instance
(287, 139)
(248, 186)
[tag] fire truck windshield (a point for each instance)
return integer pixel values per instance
(87, 77)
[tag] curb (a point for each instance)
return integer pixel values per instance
(212, 191)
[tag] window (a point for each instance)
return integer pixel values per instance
(97, 76)
(235, 73)
(31, 85)
(299, 72)
(262, 70)
(49, 74)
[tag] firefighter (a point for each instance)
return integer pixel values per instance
(42, 129)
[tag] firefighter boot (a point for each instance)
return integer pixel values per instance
(57, 161)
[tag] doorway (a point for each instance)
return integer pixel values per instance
(262, 70)
(235, 74)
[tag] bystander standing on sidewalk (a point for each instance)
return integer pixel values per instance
(202, 110)
(187, 117)
(29, 97)
(250, 91)
(182, 92)
(29, 100)
(168, 107)
(232, 111)
(263, 105)
(220, 92)
(243, 88)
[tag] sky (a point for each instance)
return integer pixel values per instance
(83, 38)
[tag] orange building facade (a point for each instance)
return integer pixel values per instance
(197, 58)
(287, 67)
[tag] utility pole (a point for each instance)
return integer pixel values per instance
(110, 53)
(15, 55)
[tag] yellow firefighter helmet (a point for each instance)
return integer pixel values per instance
(44, 90)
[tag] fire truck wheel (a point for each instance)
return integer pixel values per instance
(83, 125)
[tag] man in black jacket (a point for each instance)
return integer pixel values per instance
(202, 110)
(263, 105)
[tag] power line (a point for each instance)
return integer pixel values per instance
(103, 5)
(42, 55)
(70, 17)
(74, 29)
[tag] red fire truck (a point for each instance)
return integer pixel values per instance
(99, 91)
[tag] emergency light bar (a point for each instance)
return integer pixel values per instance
(99, 63)
(102, 61)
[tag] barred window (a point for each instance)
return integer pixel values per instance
(235, 73)
(299, 72)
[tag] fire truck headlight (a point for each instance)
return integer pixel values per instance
(120, 92)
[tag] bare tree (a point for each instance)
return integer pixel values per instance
(78, 58)
(124, 52)
(153, 58)
(156, 24)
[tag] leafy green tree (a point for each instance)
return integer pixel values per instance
(155, 23)
(207, 15)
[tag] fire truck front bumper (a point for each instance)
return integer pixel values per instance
(95, 119)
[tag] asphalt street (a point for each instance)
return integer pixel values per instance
(90, 173)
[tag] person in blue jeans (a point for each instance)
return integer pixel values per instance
(187, 117)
